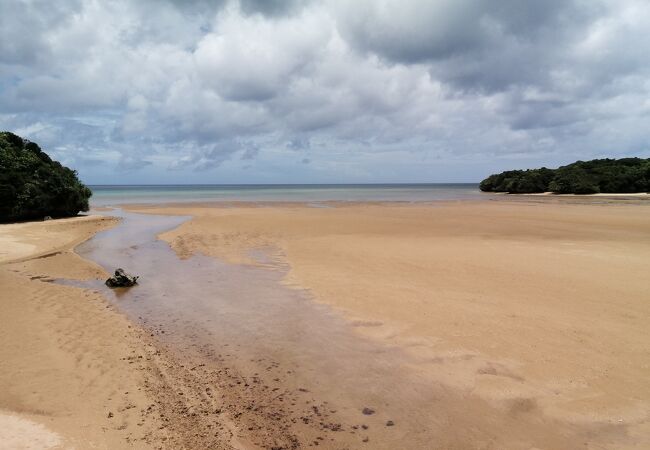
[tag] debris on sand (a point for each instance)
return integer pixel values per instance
(121, 279)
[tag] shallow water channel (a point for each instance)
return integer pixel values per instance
(323, 371)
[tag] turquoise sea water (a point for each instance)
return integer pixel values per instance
(114, 195)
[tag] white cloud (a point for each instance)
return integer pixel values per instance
(369, 85)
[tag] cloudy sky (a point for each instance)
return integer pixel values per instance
(256, 91)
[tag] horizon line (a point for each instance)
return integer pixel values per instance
(288, 184)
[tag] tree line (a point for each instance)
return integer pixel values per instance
(626, 175)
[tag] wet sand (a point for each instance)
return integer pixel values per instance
(530, 316)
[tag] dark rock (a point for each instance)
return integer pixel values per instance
(368, 411)
(390, 423)
(121, 279)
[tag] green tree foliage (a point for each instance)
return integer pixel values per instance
(627, 175)
(32, 185)
(520, 181)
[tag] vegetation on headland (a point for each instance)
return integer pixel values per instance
(33, 186)
(611, 176)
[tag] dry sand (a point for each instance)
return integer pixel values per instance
(533, 306)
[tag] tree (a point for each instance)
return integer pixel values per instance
(32, 185)
(519, 181)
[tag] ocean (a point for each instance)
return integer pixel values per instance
(106, 195)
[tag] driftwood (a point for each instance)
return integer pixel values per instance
(121, 279)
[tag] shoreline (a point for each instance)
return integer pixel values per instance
(549, 197)
(642, 195)
(480, 197)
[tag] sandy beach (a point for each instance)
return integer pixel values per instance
(525, 322)
(341, 225)
(536, 307)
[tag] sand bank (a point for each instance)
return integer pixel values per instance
(532, 306)
(638, 195)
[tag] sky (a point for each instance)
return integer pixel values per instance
(363, 91)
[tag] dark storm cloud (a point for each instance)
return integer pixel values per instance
(472, 43)
(420, 31)
(272, 8)
(363, 87)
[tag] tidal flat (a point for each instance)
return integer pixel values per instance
(463, 324)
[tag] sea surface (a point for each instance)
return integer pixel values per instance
(106, 195)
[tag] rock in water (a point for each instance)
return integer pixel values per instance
(121, 279)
